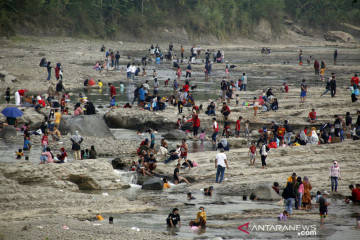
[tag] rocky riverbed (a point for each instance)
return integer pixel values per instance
(37, 201)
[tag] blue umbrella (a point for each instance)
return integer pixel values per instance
(13, 112)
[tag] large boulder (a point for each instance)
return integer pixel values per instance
(339, 36)
(237, 142)
(265, 192)
(87, 125)
(32, 116)
(263, 31)
(117, 163)
(84, 175)
(8, 132)
(153, 184)
(175, 134)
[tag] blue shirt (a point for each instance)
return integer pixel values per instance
(141, 94)
(26, 144)
(152, 138)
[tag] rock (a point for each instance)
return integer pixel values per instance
(10, 79)
(8, 132)
(237, 142)
(32, 116)
(153, 184)
(87, 125)
(265, 192)
(117, 163)
(263, 31)
(255, 133)
(175, 134)
(339, 36)
(84, 175)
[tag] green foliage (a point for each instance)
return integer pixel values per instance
(221, 18)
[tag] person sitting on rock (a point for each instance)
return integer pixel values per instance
(56, 135)
(200, 220)
(225, 110)
(62, 157)
(177, 177)
(166, 184)
(150, 163)
(174, 154)
(208, 191)
(312, 116)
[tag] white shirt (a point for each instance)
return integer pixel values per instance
(133, 69)
(156, 85)
(128, 69)
(147, 87)
(221, 157)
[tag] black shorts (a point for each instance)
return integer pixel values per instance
(152, 145)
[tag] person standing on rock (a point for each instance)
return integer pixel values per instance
(323, 208)
(215, 131)
(243, 82)
(184, 151)
(238, 127)
(76, 140)
(152, 139)
(333, 85)
(334, 176)
(48, 67)
(220, 164)
(304, 88)
(112, 91)
(156, 87)
(263, 152)
(306, 199)
(288, 132)
(196, 124)
(335, 56)
(317, 67)
(142, 94)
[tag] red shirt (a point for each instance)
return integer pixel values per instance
(355, 80)
(253, 149)
(186, 88)
(237, 128)
(112, 91)
(195, 120)
(286, 88)
(356, 194)
(216, 127)
(312, 115)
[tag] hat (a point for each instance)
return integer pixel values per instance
(325, 193)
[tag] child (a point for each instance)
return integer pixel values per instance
(167, 82)
(86, 154)
(283, 216)
(66, 111)
(247, 132)
(166, 184)
(190, 197)
(7, 95)
(252, 153)
(27, 144)
(202, 136)
(237, 99)
(226, 128)
(174, 218)
(256, 104)
(323, 208)
(154, 74)
(322, 72)
(45, 140)
(19, 154)
(318, 196)
(121, 87)
(237, 127)
(100, 83)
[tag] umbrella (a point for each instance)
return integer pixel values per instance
(12, 112)
(91, 82)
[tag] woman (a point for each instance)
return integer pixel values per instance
(76, 140)
(289, 197)
(306, 199)
(51, 120)
(274, 105)
(77, 109)
(200, 220)
(313, 137)
(334, 176)
(90, 108)
(62, 157)
(92, 152)
(47, 156)
(299, 190)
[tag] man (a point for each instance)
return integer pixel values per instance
(292, 178)
(117, 57)
(337, 126)
(355, 194)
(112, 91)
(156, 87)
(355, 80)
(151, 163)
(304, 88)
(175, 87)
(225, 110)
(188, 71)
(142, 96)
(147, 87)
(56, 135)
(59, 87)
(288, 132)
(58, 117)
(224, 88)
(200, 218)
(133, 70)
(174, 218)
(177, 177)
(215, 131)
(274, 128)
(152, 139)
(312, 116)
(323, 208)
(243, 82)
(220, 165)
(238, 127)
(333, 85)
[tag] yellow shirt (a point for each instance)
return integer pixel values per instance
(100, 84)
(322, 71)
(166, 185)
(57, 118)
(200, 214)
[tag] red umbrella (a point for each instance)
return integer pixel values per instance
(22, 92)
(91, 82)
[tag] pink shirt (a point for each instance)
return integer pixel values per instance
(202, 136)
(78, 111)
(301, 188)
(49, 157)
